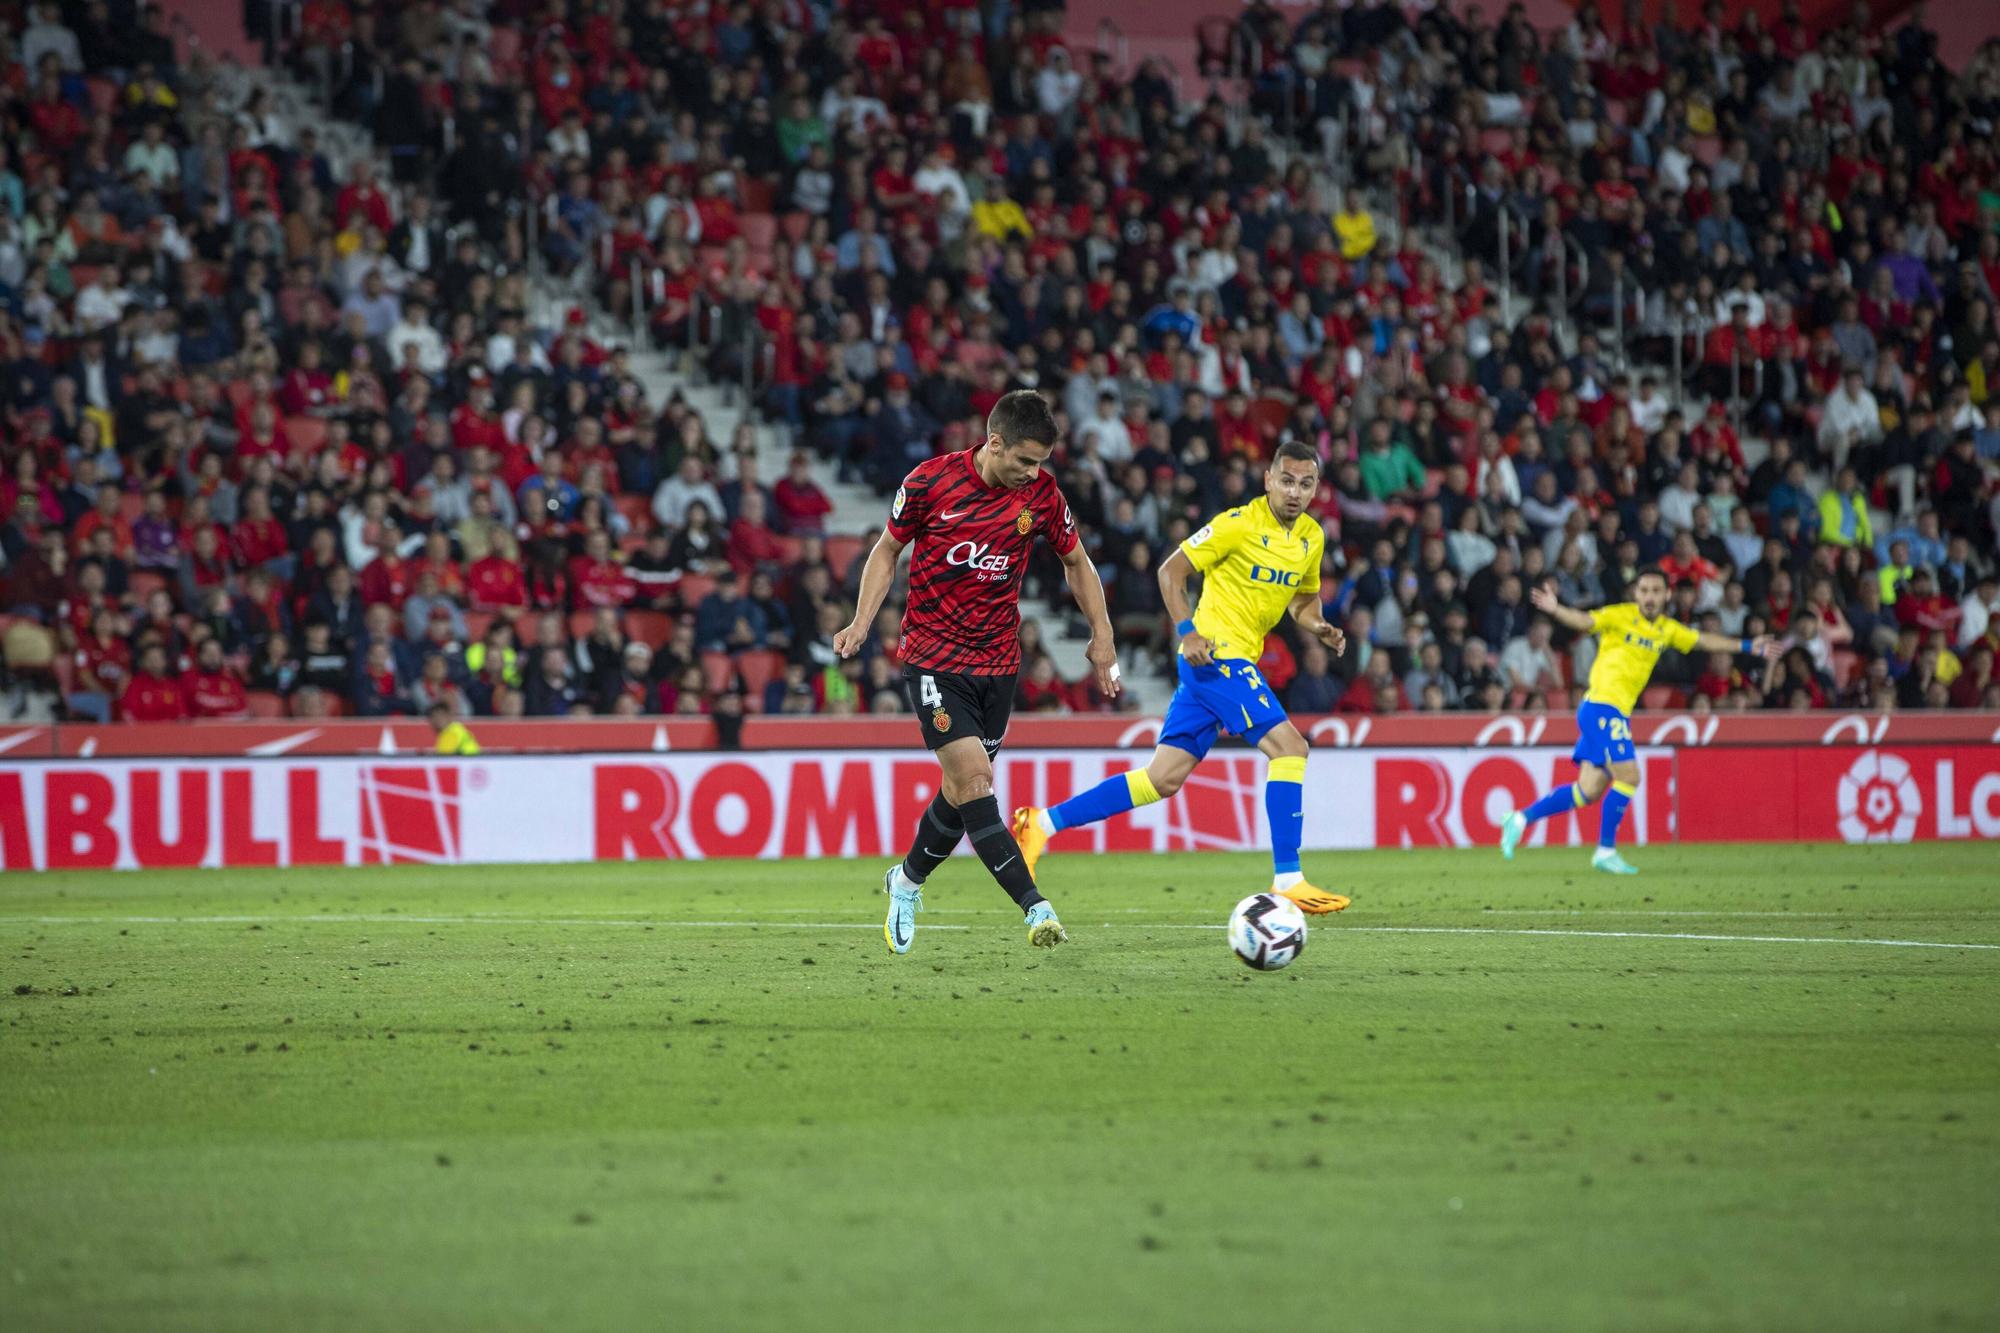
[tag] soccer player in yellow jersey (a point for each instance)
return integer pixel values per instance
(1630, 638)
(1259, 563)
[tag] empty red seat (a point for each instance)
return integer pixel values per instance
(760, 668)
(648, 627)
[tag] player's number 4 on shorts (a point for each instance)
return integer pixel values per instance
(928, 693)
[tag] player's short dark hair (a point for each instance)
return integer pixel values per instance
(1022, 415)
(1297, 450)
(1654, 571)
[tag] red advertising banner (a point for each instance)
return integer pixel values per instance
(1092, 731)
(1900, 794)
(291, 810)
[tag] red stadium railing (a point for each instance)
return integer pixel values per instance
(1103, 732)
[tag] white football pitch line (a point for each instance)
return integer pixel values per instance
(403, 919)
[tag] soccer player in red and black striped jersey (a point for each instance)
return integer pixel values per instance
(972, 517)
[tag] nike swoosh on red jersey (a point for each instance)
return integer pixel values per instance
(952, 518)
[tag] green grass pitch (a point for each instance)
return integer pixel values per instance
(706, 1097)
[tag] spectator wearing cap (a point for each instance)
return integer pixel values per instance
(728, 621)
(901, 432)
(799, 504)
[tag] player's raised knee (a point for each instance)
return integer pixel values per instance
(960, 791)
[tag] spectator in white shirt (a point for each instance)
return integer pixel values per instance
(414, 328)
(1058, 85)
(938, 179)
(47, 34)
(676, 493)
(1649, 406)
(1978, 609)
(1678, 499)
(1108, 429)
(103, 302)
(1851, 417)
(1528, 663)
(152, 155)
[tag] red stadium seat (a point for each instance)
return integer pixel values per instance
(1270, 414)
(760, 668)
(795, 225)
(145, 582)
(693, 588)
(1845, 663)
(1658, 697)
(306, 433)
(504, 47)
(648, 627)
(1558, 700)
(265, 703)
(238, 392)
(841, 553)
(760, 231)
(580, 623)
(716, 669)
(638, 511)
(476, 625)
(130, 506)
(758, 195)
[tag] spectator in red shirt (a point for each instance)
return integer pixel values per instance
(494, 582)
(103, 666)
(363, 197)
(387, 578)
(597, 578)
(152, 695)
(104, 514)
(752, 544)
(212, 689)
(802, 506)
(258, 540)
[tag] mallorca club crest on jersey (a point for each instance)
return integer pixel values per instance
(940, 721)
(1023, 521)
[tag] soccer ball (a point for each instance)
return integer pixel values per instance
(1267, 931)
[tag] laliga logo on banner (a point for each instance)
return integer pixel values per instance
(1511, 730)
(1689, 731)
(1334, 731)
(973, 555)
(1879, 800)
(1859, 726)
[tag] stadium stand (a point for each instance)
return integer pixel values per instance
(343, 367)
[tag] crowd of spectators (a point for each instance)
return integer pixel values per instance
(284, 437)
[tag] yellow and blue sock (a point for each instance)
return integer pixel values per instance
(1615, 803)
(1284, 806)
(1113, 796)
(1560, 801)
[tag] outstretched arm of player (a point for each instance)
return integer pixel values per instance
(1088, 589)
(1306, 613)
(1174, 571)
(1545, 600)
(876, 577)
(1763, 645)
